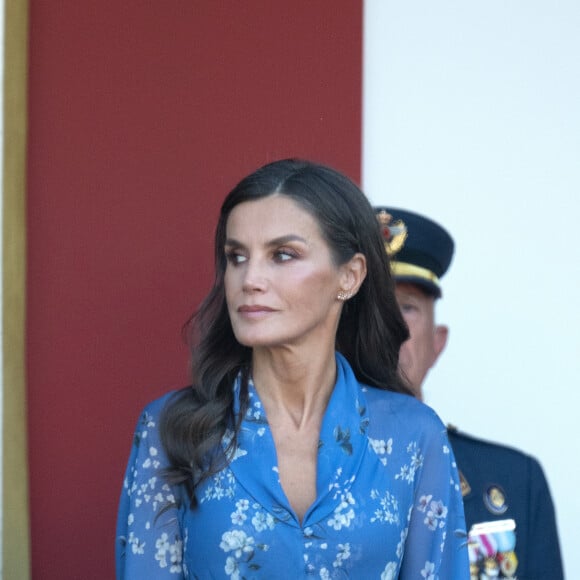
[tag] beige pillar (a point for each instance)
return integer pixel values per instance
(15, 513)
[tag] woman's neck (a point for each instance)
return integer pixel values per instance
(292, 387)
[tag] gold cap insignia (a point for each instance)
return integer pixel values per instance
(394, 233)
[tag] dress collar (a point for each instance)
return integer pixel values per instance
(342, 446)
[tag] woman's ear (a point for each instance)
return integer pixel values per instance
(353, 274)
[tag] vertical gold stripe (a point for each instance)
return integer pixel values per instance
(15, 525)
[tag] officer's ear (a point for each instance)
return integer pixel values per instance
(440, 340)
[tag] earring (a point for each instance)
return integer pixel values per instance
(343, 296)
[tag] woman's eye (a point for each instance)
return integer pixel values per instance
(235, 258)
(284, 255)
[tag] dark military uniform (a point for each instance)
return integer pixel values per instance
(498, 483)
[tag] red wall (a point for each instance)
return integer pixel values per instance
(142, 116)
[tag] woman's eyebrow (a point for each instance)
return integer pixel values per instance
(281, 240)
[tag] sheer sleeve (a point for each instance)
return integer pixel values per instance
(436, 546)
(149, 543)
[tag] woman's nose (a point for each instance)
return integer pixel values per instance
(254, 276)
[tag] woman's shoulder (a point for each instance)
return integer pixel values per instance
(391, 408)
(392, 399)
(147, 436)
(155, 407)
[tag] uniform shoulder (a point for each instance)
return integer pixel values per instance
(459, 439)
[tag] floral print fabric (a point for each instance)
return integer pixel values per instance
(388, 500)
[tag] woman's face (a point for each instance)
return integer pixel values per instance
(281, 284)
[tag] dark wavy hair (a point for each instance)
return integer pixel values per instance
(370, 331)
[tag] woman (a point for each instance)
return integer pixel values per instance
(297, 452)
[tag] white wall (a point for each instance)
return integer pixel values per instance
(472, 116)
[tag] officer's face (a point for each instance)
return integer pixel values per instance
(419, 353)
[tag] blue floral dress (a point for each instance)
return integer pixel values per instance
(388, 500)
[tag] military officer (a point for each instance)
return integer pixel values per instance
(501, 486)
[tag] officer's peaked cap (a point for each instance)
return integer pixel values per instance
(420, 249)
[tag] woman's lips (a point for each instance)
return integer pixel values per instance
(254, 310)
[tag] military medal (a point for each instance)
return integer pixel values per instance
(491, 547)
